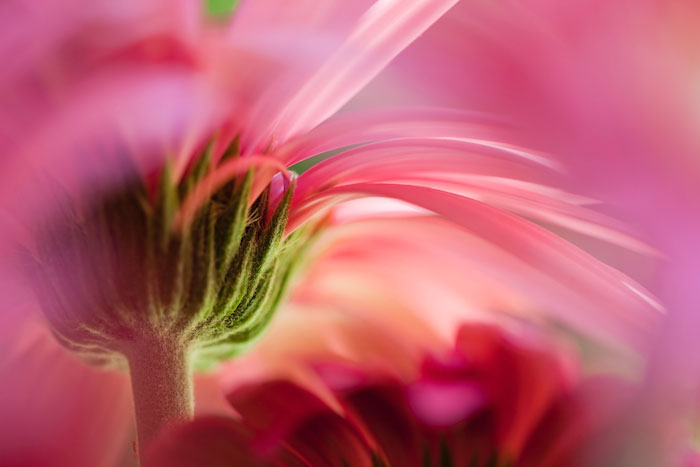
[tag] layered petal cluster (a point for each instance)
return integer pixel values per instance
(493, 399)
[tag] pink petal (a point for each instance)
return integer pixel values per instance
(599, 299)
(495, 174)
(379, 34)
(444, 404)
(390, 124)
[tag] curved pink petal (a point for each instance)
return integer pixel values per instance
(586, 282)
(389, 124)
(415, 156)
(384, 29)
(513, 180)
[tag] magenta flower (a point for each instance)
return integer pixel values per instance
(150, 151)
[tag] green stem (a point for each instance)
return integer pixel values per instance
(161, 381)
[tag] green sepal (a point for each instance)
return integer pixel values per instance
(228, 341)
(198, 170)
(202, 265)
(164, 254)
(212, 284)
(166, 205)
(274, 232)
(231, 224)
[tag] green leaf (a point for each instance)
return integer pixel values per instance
(221, 8)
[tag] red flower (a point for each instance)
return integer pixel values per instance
(494, 400)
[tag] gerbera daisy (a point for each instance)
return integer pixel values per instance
(156, 174)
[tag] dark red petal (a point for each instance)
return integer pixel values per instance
(330, 440)
(519, 382)
(282, 413)
(272, 410)
(384, 412)
(207, 442)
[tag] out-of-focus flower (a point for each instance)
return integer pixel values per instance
(177, 225)
(612, 88)
(491, 400)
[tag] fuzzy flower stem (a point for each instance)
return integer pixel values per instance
(161, 381)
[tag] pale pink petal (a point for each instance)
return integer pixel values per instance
(312, 332)
(369, 208)
(381, 32)
(396, 159)
(516, 181)
(586, 287)
(390, 124)
(460, 271)
(271, 48)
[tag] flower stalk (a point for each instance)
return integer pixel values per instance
(161, 381)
